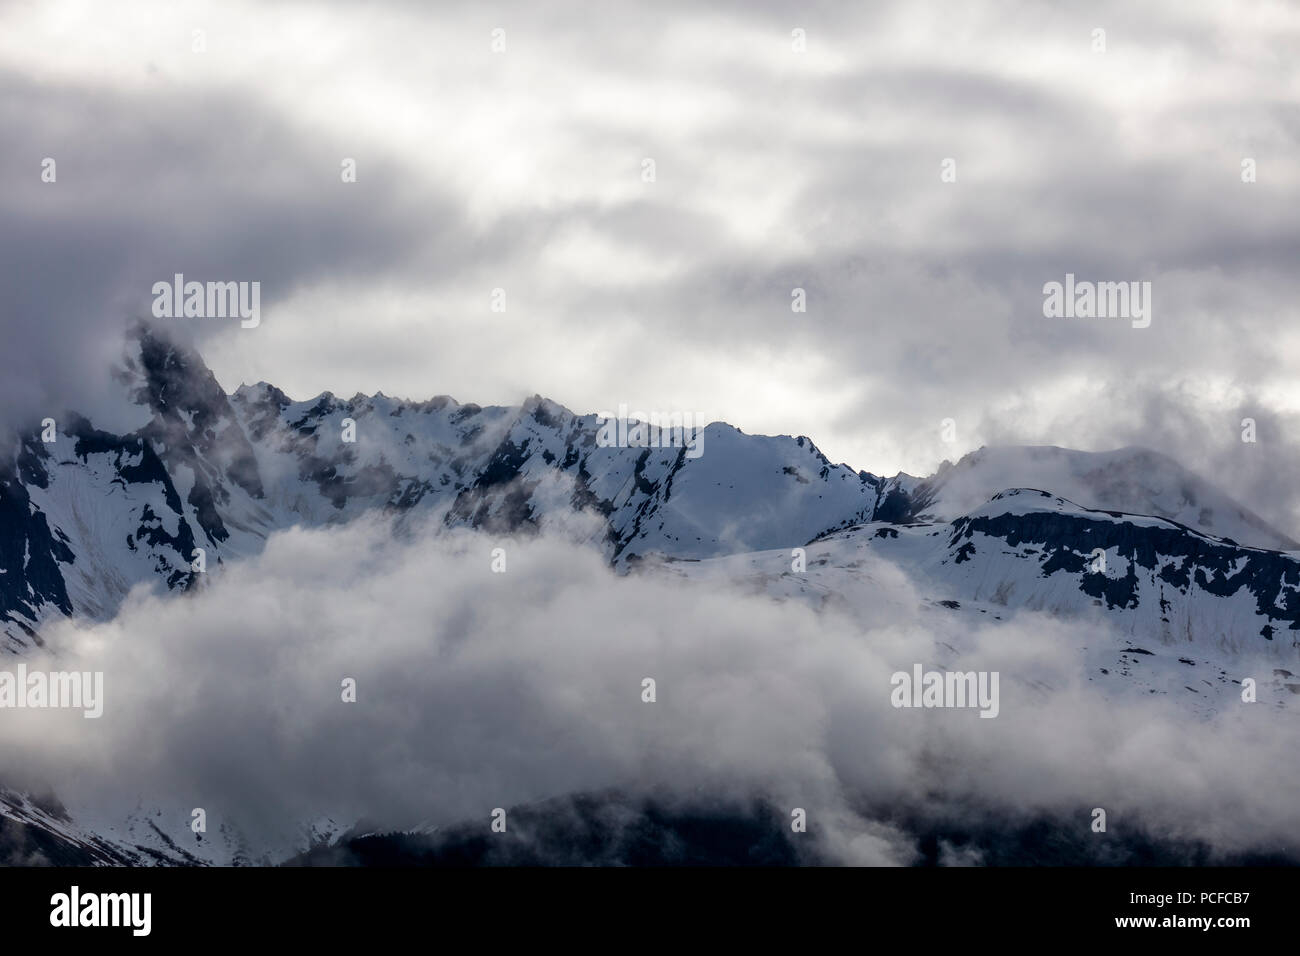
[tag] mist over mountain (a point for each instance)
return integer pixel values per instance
(499, 581)
(94, 512)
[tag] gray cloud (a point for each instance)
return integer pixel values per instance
(521, 170)
(478, 690)
(210, 186)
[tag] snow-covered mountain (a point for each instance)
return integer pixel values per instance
(1186, 581)
(1173, 607)
(89, 515)
(85, 517)
(1133, 480)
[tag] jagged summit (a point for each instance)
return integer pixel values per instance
(90, 515)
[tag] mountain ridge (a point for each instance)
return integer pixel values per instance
(207, 475)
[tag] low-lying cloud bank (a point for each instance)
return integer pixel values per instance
(477, 690)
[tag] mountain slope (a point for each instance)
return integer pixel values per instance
(1133, 480)
(208, 476)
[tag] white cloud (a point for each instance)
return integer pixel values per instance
(477, 690)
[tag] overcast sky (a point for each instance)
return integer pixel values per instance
(522, 169)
